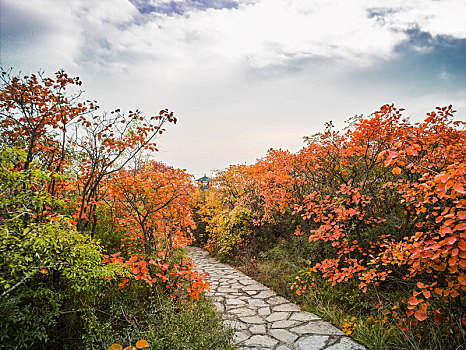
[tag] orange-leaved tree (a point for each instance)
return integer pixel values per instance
(107, 144)
(36, 113)
(382, 202)
(47, 119)
(151, 205)
(248, 204)
(388, 198)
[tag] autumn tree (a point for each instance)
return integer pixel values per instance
(152, 205)
(382, 203)
(390, 203)
(107, 144)
(62, 165)
(249, 204)
(36, 113)
(47, 118)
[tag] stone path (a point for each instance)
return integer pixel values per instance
(262, 319)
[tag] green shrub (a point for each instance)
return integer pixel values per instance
(48, 270)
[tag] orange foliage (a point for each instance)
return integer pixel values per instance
(386, 198)
(109, 142)
(151, 205)
(33, 109)
(386, 165)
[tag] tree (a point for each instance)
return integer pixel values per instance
(46, 266)
(382, 202)
(108, 143)
(65, 135)
(36, 112)
(152, 205)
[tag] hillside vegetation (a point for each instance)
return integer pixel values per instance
(92, 232)
(365, 226)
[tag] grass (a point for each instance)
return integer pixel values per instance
(169, 324)
(343, 305)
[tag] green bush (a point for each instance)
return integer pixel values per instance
(125, 315)
(48, 270)
(56, 292)
(168, 324)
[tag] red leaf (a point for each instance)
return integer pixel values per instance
(462, 244)
(462, 263)
(451, 240)
(458, 187)
(444, 230)
(442, 178)
(421, 315)
(462, 279)
(426, 294)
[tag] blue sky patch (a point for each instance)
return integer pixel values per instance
(182, 7)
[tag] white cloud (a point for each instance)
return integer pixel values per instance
(267, 33)
(241, 80)
(113, 35)
(444, 17)
(47, 33)
(277, 32)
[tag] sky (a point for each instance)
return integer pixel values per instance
(244, 76)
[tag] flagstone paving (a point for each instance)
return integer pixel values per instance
(261, 319)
